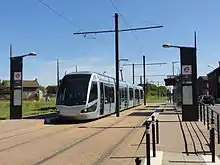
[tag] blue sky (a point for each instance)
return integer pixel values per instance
(30, 26)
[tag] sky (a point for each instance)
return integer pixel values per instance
(30, 26)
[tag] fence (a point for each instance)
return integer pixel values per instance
(210, 118)
(207, 114)
(155, 139)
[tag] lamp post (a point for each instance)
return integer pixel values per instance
(121, 68)
(174, 62)
(188, 81)
(16, 84)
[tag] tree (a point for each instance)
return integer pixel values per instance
(4, 87)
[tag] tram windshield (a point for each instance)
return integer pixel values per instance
(73, 90)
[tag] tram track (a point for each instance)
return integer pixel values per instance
(37, 138)
(17, 129)
(41, 137)
(77, 142)
(22, 133)
(113, 149)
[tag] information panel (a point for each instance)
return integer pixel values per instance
(17, 97)
(187, 95)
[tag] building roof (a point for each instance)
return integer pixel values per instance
(213, 71)
(205, 78)
(28, 83)
(31, 83)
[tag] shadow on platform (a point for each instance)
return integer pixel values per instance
(141, 114)
(189, 161)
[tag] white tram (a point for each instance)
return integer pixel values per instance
(89, 95)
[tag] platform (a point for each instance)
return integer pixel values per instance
(108, 141)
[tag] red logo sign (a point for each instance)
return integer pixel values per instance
(186, 69)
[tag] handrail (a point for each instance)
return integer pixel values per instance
(211, 124)
(207, 114)
(208, 107)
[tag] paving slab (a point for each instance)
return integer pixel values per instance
(180, 143)
(56, 144)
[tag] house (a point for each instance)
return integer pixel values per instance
(214, 83)
(202, 85)
(51, 90)
(31, 90)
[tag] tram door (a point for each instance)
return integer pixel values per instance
(102, 99)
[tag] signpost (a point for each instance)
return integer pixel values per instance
(16, 86)
(188, 80)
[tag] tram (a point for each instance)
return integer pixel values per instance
(89, 95)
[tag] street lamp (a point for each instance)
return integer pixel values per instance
(76, 67)
(123, 59)
(174, 62)
(121, 68)
(16, 84)
(25, 55)
(170, 46)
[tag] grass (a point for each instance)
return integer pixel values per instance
(41, 107)
(29, 108)
(155, 99)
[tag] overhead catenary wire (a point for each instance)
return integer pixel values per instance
(59, 14)
(122, 30)
(63, 17)
(126, 23)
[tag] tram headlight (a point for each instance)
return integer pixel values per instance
(90, 109)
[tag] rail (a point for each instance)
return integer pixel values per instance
(154, 123)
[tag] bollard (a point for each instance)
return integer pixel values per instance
(212, 138)
(157, 131)
(212, 114)
(218, 133)
(207, 118)
(148, 142)
(153, 136)
(203, 107)
(200, 110)
(137, 161)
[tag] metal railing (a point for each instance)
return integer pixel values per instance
(210, 118)
(155, 139)
(206, 114)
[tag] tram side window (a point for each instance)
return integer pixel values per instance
(120, 93)
(131, 93)
(93, 92)
(112, 94)
(106, 95)
(126, 93)
(141, 94)
(136, 93)
(123, 94)
(109, 94)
